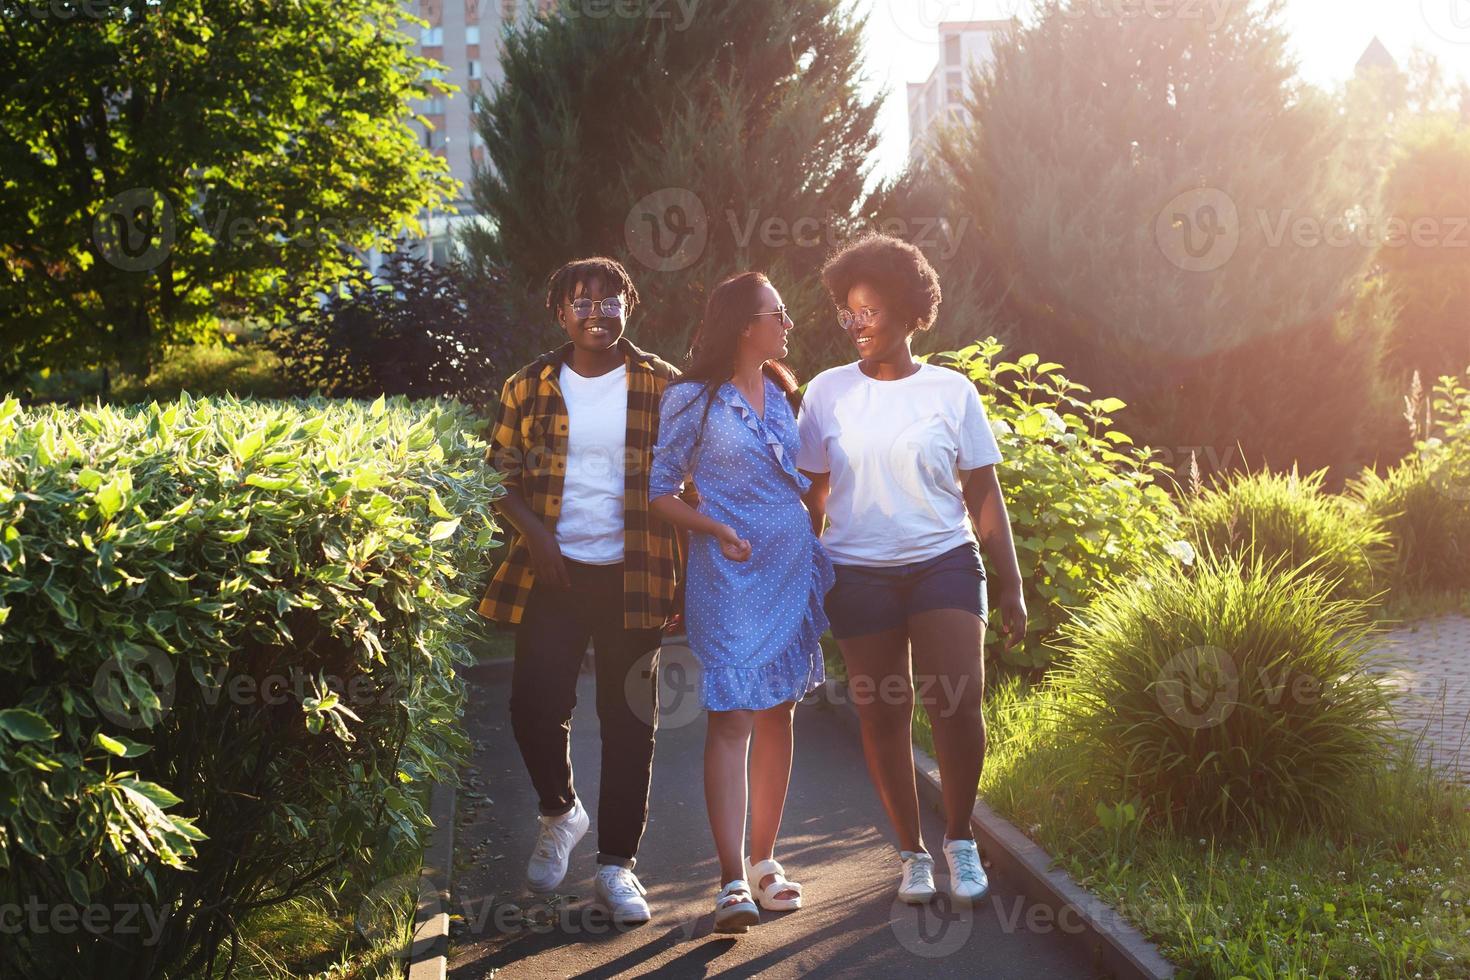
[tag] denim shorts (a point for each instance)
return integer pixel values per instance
(875, 598)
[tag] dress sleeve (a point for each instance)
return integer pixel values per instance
(977, 441)
(812, 456)
(678, 419)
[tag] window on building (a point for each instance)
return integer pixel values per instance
(508, 10)
(933, 99)
(434, 139)
(472, 34)
(474, 67)
(955, 87)
(432, 37)
(475, 138)
(435, 105)
(952, 50)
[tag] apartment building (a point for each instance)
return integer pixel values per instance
(963, 46)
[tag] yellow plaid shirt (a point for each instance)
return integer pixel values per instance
(528, 444)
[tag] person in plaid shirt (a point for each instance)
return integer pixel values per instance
(574, 439)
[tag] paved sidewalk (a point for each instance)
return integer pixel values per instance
(834, 840)
(1429, 662)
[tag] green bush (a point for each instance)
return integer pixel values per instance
(1424, 501)
(228, 633)
(1231, 696)
(1085, 505)
(1287, 516)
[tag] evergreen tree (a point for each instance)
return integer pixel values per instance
(1162, 193)
(1425, 255)
(688, 142)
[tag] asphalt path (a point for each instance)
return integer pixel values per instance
(835, 841)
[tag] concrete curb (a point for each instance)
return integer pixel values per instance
(1117, 947)
(429, 955)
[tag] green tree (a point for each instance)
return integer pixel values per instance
(688, 146)
(1165, 195)
(166, 164)
(1425, 255)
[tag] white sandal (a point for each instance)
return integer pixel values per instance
(767, 895)
(734, 911)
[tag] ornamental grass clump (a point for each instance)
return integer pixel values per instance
(228, 633)
(1231, 696)
(1288, 517)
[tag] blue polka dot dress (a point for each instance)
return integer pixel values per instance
(755, 626)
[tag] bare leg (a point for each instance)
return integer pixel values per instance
(726, 741)
(770, 775)
(883, 693)
(950, 671)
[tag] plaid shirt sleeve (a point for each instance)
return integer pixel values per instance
(505, 451)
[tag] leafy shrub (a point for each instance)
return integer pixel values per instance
(1424, 501)
(411, 331)
(227, 638)
(1085, 505)
(1287, 516)
(1228, 696)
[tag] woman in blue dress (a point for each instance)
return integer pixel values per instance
(757, 576)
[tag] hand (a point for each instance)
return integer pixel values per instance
(1012, 608)
(547, 563)
(732, 545)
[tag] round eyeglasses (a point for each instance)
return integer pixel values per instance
(612, 307)
(847, 319)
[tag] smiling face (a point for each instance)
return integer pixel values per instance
(881, 339)
(597, 333)
(765, 335)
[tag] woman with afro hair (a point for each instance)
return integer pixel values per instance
(902, 462)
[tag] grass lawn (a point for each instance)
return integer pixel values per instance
(1386, 894)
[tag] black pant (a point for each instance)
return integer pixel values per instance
(550, 642)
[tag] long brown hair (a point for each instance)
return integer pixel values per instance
(711, 359)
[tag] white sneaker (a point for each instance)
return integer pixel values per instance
(621, 893)
(554, 843)
(967, 881)
(917, 886)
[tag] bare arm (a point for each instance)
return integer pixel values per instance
(987, 507)
(547, 563)
(816, 498)
(675, 511)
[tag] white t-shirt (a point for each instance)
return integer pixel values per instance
(590, 529)
(894, 450)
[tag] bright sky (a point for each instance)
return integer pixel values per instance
(1329, 36)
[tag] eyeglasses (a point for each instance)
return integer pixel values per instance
(778, 311)
(863, 318)
(612, 307)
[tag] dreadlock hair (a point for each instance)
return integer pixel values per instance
(711, 360)
(562, 284)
